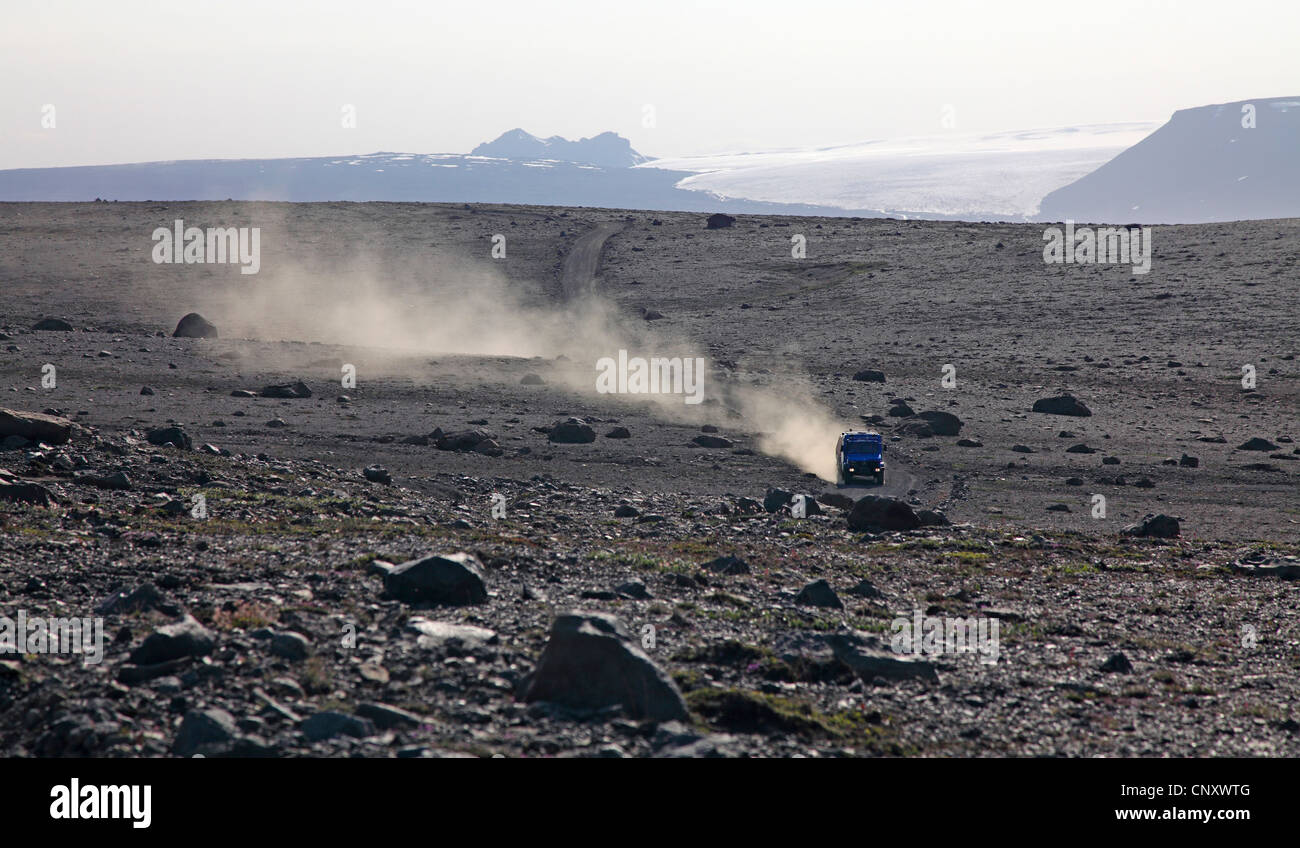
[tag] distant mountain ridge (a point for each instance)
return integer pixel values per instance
(607, 150)
(1204, 165)
(385, 177)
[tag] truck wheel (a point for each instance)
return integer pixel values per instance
(880, 478)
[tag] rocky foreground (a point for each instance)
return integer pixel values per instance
(254, 606)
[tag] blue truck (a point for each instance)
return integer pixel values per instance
(859, 455)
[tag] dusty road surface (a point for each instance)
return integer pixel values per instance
(580, 266)
(441, 382)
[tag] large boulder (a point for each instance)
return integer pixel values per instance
(331, 723)
(719, 221)
(460, 440)
(1257, 444)
(836, 500)
(878, 512)
(1156, 526)
(776, 499)
(34, 426)
(705, 440)
(208, 732)
(942, 423)
(195, 326)
(294, 390)
(170, 436)
(920, 429)
(31, 493)
(185, 638)
(819, 593)
(452, 579)
(857, 651)
(727, 565)
(53, 324)
(446, 634)
(591, 663)
(1064, 404)
(869, 375)
(574, 431)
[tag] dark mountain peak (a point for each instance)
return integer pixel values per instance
(1223, 162)
(607, 150)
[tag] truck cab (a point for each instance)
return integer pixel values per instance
(859, 455)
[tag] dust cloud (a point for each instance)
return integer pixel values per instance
(445, 305)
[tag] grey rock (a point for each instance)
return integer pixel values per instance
(866, 589)
(461, 637)
(143, 598)
(31, 493)
(328, 724)
(289, 391)
(53, 324)
(290, 645)
(195, 326)
(1159, 526)
(932, 518)
(837, 500)
(1117, 664)
(727, 565)
(170, 435)
(453, 579)
(634, 589)
(34, 426)
(591, 663)
(207, 732)
(942, 423)
(857, 652)
(819, 594)
(776, 499)
(574, 431)
(1063, 404)
(877, 512)
(185, 638)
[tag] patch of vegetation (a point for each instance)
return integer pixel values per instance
(244, 614)
(744, 711)
(315, 677)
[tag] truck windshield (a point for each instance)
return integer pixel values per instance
(861, 442)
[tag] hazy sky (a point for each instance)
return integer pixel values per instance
(139, 81)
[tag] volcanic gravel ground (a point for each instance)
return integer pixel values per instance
(1205, 622)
